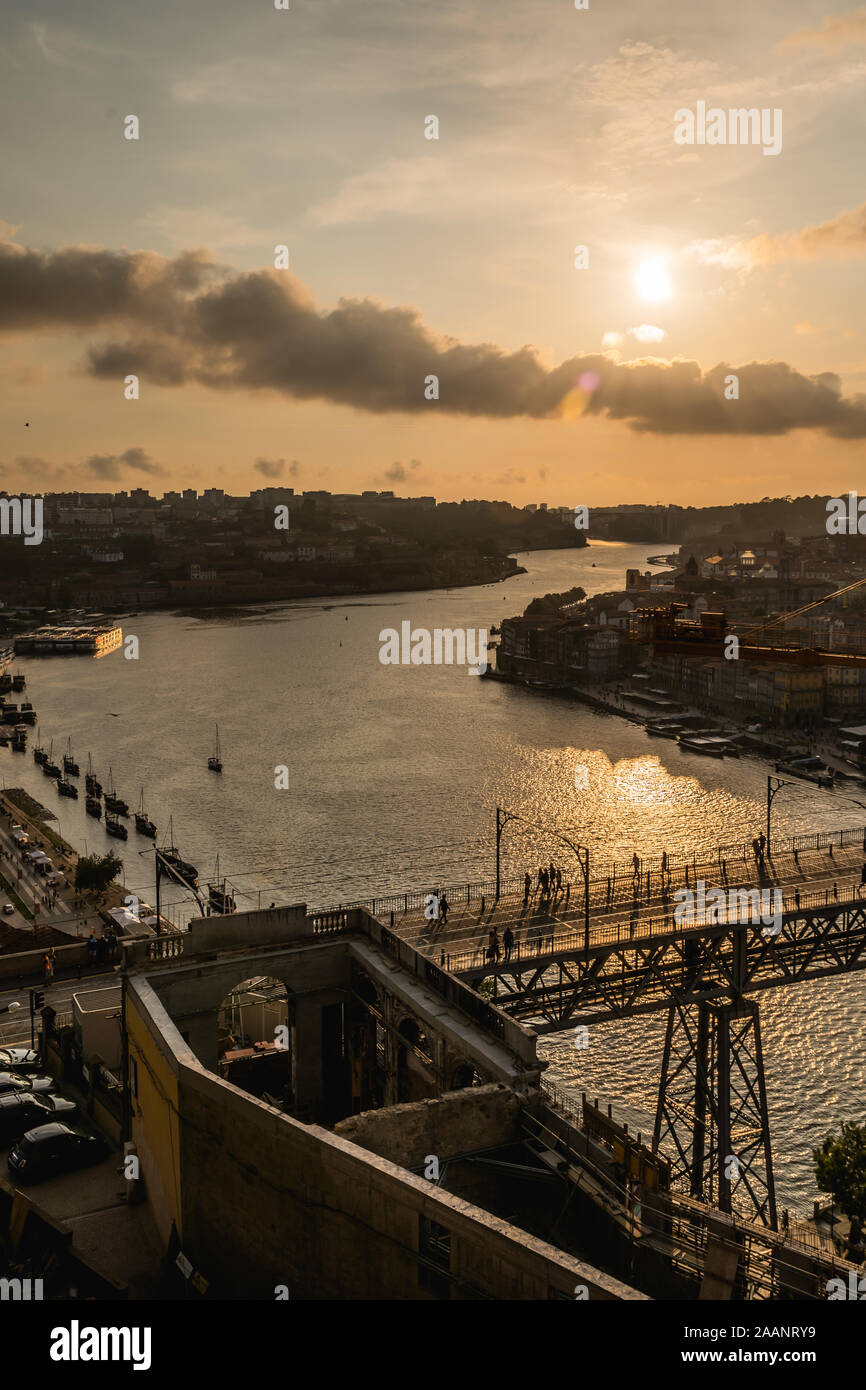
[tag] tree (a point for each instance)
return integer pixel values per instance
(840, 1169)
(552, 603)
(95, 872)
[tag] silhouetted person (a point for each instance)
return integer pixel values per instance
(508, 942)
(443, 909)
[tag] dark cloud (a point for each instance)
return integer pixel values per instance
(398, 472)
(269, 468)
(112, 466)
(188, 321)
(36, 472)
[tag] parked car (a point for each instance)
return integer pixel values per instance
(23, 1110)
(19, 1059)
(8, 909)
(51, 1150)
(14, 1081)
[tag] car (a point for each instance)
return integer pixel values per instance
(23, 1110)
(8, 909)
(50, 1150)
(19, 1059)
(13, 1081)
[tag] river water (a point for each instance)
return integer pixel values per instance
(393, 776)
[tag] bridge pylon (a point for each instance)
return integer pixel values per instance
(711, 1117)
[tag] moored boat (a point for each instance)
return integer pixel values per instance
(113, 802)
(70, 766)
(115, 827)
(93, 807)
(50, 767)
(214, 762)
(143, 824)
(92, 785)
(809, 769)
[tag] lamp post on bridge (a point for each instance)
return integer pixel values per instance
(580, 852)
(502, 819)
(774, 786)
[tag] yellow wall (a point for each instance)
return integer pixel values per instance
(154, 1118)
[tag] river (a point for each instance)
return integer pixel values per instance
(393, 776)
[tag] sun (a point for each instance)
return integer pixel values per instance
(652, 281)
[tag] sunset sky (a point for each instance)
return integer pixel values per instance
(411, 256)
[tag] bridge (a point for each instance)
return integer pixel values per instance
(635, 957)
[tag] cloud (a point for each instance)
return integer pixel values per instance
(112, 466)
(399, 473)
(188, 322)
(294, 468)
(838, 31)
(840, 238)
(37, 472)
(648, 333)
(269, 468)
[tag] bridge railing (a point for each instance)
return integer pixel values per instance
(543, 939)
(612, 880)
(515, 1035)
(687, 1218)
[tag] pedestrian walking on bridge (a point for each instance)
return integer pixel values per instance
(508, 942)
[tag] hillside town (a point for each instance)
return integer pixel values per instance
(668, 624)
(116, 551)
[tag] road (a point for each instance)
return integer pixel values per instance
(15, 1023)
(31, 887)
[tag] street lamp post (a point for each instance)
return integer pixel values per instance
(774, 786)
(502, 819)
(580, 852)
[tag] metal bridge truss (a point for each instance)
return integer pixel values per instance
(712, 1107)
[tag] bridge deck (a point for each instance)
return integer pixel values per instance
(815, 875)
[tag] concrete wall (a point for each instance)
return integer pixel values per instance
(154, 1119)
(481, 1117)
(269, 1201)
(27, 964)
(97, 1015)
